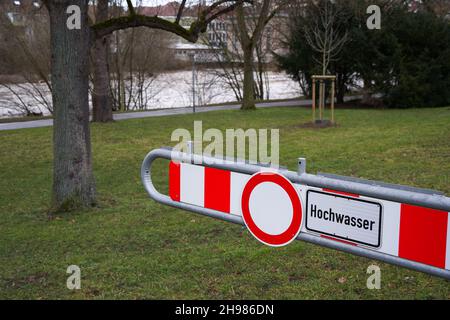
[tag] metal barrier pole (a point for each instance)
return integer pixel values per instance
(429, 200)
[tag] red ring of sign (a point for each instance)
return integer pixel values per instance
(294, 228)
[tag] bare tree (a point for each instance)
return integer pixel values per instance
(73, 180)
(205, 89)
(326, 36)
(250, 33)
(28, 98)
(25, 53)
(134, 19)
(229, 58)
(139, 55)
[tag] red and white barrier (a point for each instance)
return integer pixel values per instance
(410, 232)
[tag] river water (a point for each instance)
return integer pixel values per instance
(167, 90)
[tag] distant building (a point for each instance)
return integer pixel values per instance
(217, 32)
(220, 34)
(202, 53)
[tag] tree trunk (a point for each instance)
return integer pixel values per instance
(101, 95)
(73, 181)
(248, 101)
(340, 88)
(248, 44)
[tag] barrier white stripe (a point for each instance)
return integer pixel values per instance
(390, 227)
(238, 182)
(192, 184)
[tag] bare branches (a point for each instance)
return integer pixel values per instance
(273, 14)
(180, 12)
(323, 34)
(29, 59)
(104, 28)
(224, 11)
(242, 26)
(219, 4)
(262, 20)
(133, 20)
(131, 8)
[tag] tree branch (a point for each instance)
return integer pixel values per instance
(104, 28)
(242, 26)
(131, 8)
(223, 11)
(134, 20)
(180, 12)
(263, 14)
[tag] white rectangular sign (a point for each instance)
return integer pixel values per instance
(343, 217)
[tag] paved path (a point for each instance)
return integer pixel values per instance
(158, 113)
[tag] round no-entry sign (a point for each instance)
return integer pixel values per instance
(271, 209)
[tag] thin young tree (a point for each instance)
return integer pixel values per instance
(325, 36)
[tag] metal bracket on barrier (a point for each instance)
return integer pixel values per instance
(400, 225)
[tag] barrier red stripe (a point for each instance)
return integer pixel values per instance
(423, 235)
(338, 240)
(174, 181)
(342, 193)
(217, 189)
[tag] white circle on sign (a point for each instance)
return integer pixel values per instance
(271, 208)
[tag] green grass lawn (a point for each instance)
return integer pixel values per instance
(130, 247)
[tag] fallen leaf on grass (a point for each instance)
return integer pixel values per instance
(342, 280)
